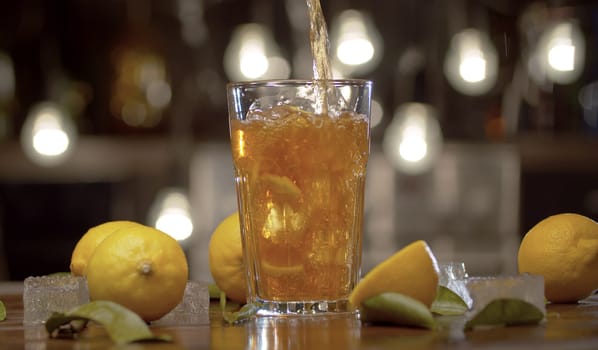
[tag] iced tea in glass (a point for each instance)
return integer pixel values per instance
(300, 173)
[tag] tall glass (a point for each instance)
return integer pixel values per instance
(300, 162)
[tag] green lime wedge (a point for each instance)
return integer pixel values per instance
(507, 312)
(398, 309)
(448, 303)
(2, 311)
(123, 325)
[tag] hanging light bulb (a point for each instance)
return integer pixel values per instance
(561, 52)
(413, 140)
(252, 54)
(48, 134)
(171, 213)
(358, 43)
(471, 63)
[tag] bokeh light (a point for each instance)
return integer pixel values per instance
(171, 213)
(471, 63)
(48, 134)
(413, 140)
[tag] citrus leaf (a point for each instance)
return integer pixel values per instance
(214, 291)
(448, 303)
(2, 311)
(508, 312)
(244, 313)
(60, 273)
(399, 309)
(123, 325)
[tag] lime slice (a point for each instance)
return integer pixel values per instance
(507, 312)
(399, 309)
(448, 303)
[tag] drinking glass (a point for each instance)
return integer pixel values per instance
(300, 150)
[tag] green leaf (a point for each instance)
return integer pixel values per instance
(399, 309)
(2, 311)
(123, 325)
(448, 303)
(507, 312)
(214, 291)
(244, 313)
(60, 273)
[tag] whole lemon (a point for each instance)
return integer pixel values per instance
(90, 240)
(226, 259)
(141, 268)
(564, 249)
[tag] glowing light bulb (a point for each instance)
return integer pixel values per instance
(253, 62)
(560, 53)
(413, 140)
(171, 214)
(358, 43)
(253, 54)
(355, 51)
(50, 142)
(413, 146)
(471, 63)
(48, 134)
(473, 67)
(562, 57)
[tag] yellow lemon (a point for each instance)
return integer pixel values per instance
(564, 249)
(226, 259)
(90, 240)
(412, 271)
(141, 268)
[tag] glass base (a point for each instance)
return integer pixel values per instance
(305, 308)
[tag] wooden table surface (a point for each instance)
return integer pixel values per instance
(571, 326)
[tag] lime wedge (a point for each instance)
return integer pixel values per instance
(399, 309)
(448, 303)
(507, 312)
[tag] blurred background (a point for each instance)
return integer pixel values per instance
(484, 121)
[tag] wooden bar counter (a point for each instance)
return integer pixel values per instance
(570, 326)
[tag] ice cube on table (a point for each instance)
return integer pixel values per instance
(43, 295)
(453, 276)
(194, 309)
(483, 290)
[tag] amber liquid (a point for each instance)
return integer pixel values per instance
(300, 178)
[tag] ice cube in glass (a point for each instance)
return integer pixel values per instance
(194, 309)
(43, 295)
(527, 287)
(453, 276)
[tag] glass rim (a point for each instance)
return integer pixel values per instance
(297, 82)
